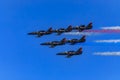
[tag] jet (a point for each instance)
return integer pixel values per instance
(62, 30)
(55, 43)
(71, 53)
(42, 32)
(83, 27)
(74, 41)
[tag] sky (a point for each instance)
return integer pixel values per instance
(22, 57)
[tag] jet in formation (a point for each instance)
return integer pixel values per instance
(55, 43)
(74, 41)
(42, 32)
(61, 30)
(52, 44)
(68, 54)
(83, 27)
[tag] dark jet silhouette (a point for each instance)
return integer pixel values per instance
(74, 41)
(55, 43)
(83, 27)
(71, 53)
(42, 32)
(62, 30)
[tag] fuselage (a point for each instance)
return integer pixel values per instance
(76, 40)
(53, 43)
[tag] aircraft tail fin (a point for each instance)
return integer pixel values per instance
(69, 28)
(89, 26)
(79, 51)
(63, 40)
(50, 29)
(83, 37)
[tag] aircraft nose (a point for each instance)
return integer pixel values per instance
(29, 33)
(32, 33)
(42, 44)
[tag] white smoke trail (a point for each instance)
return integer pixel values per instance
(112, 28)
(81, 33)
(107, 53)
(108, 41)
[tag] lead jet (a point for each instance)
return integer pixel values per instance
(55, 43)
(62, 30)
(74, 41)
(83, 27)
(71, 53)
(42, 32)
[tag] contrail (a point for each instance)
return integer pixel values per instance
(108, 41)
(81, 33)
(107, 53)
(112, 27)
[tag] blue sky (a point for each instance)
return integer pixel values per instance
(21, 56)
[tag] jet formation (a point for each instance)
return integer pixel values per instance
(61, 30)
(52, 44)
(70, 28)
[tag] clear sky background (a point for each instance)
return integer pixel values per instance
(22, 58)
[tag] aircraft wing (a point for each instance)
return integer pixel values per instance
(38, 35)
(80, 30)
(68, 56)
(52, 45)
(59, 33)
(73, 43)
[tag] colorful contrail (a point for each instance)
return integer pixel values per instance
(108, 41)
(81, 33)
(112, 28)
(107, 53)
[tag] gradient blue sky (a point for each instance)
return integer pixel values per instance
(21, 56)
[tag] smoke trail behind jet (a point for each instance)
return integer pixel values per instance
(107, 53)
(108, 41)
(81, 33)
(112, 27)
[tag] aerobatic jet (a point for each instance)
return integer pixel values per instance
(83, 27)
(71, 53)
(55, 43)
(62, 30)
(42, 32)
(74, 41)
